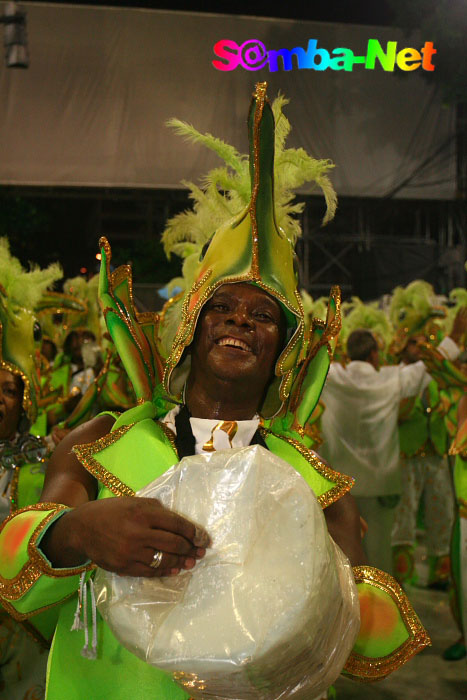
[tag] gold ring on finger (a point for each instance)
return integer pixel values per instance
(156, 560)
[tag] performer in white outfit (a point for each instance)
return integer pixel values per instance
(359, 428)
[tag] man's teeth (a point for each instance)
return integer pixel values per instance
(234, 342)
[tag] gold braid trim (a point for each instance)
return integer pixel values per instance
(28, 389)
(343, 483)
(36, 566)
(458, 450)
(85, 453)
(170, 435)
(21, 617)
(366, 669)
(29, 628)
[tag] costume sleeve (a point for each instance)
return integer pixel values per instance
(412, 379)
(390, 631)
(28, 582)
(449, 348)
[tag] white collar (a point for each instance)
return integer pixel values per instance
(207, 429)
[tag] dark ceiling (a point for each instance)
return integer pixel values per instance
(376, 12)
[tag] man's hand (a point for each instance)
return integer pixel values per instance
(119, 534)
(459, 327)
(122, 535)
(58, 434)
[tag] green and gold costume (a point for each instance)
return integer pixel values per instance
(249, 247)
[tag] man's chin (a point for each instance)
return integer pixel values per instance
(226, 356)
(240, 371)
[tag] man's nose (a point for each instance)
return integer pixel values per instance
(240, 317)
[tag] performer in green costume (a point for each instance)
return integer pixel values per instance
(242, 362)
(22, 456)
(458, 450)
(423, 433)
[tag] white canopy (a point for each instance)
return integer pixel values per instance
(91, 107)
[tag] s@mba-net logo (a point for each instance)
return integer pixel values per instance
(253, 55)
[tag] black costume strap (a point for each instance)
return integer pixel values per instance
(257, 439)
(185, 440)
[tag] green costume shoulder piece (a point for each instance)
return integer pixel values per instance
(137, 438)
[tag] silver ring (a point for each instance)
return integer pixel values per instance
(156, 560)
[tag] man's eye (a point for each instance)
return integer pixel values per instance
(11, 392)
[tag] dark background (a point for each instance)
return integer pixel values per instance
(372, 245)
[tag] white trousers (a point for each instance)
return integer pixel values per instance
(429, 477)
(377, 541)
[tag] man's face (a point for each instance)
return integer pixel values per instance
(411, 352)
(74, 347)
(239, 335)
(49, 350)
(11, 397)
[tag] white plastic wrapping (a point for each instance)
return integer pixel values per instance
(270, 612)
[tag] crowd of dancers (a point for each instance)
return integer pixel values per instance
(392, 416)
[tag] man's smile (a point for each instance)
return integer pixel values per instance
(231, 342)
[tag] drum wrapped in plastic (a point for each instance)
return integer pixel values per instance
(270, 612)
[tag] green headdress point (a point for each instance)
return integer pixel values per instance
(249, 247)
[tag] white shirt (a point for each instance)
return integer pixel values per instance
(359, 424)
(204, 430)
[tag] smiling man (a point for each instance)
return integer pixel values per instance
(238, 339)
(242, 369)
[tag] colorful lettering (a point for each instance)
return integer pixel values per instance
(252, 55)
(301, 54)
(232, 59)
(375, 51)
(406, 55)
(428, 52)
(344, 59)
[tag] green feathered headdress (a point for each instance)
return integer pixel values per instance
(242, 229)
(226, 191)
(412, 310)
(86, 292)
(368, 316)
(245, 219)
(458, 298)
(21, 293)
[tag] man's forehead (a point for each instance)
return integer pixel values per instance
(7, 377)
(242, 290)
